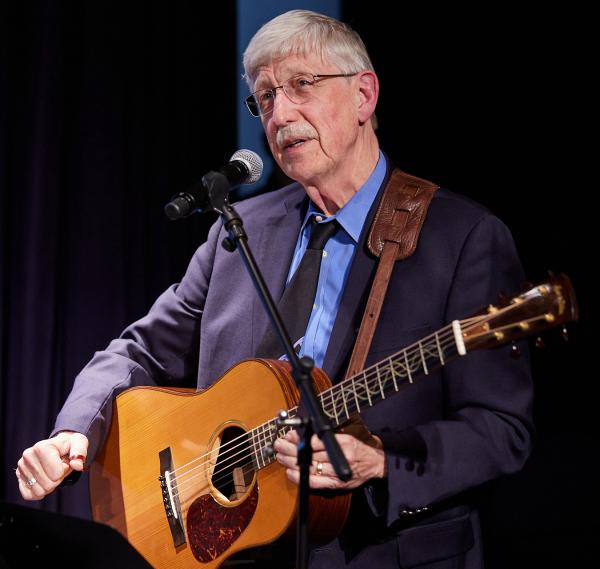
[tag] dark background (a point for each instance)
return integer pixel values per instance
(108, 109)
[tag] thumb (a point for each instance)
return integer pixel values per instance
(78, 451)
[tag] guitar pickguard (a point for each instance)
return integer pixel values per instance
(213, 528)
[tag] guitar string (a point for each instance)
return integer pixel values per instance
(372, 379)
(340, 392)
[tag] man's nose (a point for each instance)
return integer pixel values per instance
(284, 109)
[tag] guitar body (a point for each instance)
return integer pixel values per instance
(181, 431)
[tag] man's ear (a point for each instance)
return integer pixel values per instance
(368, 93)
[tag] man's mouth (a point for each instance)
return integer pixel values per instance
(294, 143)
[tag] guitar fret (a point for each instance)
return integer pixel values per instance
(423, 359)
(439, 347)
(380, 385)
(355, 396)
(256, 446)
(410, 380)
(344, 401)
(367, 390)
(393, 374)
(262, 441)
(334, 407)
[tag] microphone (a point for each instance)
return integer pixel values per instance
(244, 167)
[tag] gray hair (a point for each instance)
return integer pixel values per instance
(301, 32)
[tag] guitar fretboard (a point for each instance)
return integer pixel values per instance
(349, 397)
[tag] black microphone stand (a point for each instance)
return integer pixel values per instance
(316, 421)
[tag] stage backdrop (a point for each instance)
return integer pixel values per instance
(109, 109)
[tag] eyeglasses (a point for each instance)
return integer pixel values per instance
(299, 89)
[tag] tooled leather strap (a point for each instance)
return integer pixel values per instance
(393, 237)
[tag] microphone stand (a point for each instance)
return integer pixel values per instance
(316, 421)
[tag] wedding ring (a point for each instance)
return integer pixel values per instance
(319, 468)
(31, 481)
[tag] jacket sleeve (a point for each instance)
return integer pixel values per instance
(159, 349)
(486, 428)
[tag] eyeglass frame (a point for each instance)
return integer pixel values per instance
(316, 79)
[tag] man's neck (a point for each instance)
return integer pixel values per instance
(331, 194)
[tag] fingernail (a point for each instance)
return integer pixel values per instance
(77, 457)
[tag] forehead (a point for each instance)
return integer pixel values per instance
(279, 70)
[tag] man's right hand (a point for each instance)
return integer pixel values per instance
(45, 465)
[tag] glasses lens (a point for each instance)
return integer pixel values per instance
(263, 101)
(298, 88)
(252, 106)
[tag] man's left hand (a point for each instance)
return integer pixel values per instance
(366, 462)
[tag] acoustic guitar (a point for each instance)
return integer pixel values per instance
(189, 477)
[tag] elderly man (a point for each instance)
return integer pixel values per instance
(315, 91)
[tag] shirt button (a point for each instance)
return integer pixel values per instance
(314, 306)
(324, 253)
(318, 218)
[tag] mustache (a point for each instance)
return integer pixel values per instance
(295, 131)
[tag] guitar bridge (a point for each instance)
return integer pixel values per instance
(170, 496)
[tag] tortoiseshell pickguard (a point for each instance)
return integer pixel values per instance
(213, 528)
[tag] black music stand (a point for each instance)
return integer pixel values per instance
(34, 538)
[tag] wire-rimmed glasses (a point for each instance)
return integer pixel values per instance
(298, 89)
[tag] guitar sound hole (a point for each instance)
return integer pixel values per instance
(234, 469)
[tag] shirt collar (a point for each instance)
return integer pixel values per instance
(352, 216)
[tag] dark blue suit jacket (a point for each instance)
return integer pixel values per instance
(444, 436)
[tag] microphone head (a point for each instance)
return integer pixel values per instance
(253, 163)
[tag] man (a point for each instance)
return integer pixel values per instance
(315, 91)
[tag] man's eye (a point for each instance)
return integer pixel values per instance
(302, 82)
(265, 95)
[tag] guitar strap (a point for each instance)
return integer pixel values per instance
(393, 237)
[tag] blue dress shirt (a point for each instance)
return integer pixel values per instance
(335, 264)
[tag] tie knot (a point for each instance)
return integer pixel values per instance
(320, 233)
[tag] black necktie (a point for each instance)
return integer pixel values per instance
(298, 298)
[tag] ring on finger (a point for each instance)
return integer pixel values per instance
(319, 468)
(31, 482)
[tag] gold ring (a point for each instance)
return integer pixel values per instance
(319, 468)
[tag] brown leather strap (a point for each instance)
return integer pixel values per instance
(393, 236)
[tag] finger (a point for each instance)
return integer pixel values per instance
(25, 475)
(316, 482)
(316, 443)
(78, 451)
(292, 436)
(320, 456)
(283, 446)
(25, 490)
(287, 461)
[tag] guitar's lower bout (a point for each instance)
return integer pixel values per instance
(224, 509)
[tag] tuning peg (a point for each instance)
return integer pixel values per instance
(565, 333)
(539, 343)
(515, 351)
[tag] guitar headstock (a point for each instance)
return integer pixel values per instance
(544, 306)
